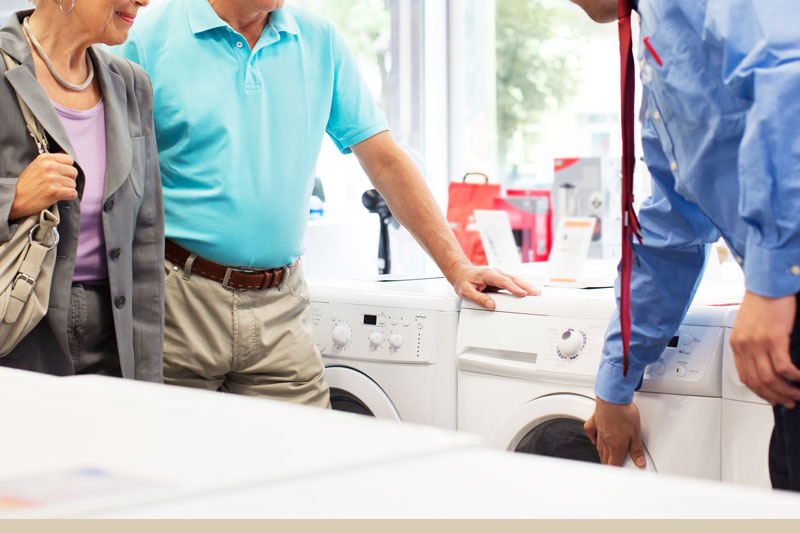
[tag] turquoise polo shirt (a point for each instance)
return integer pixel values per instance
(239, 130)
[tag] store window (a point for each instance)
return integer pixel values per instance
(538, 81)
(388, 39)
(385, 37)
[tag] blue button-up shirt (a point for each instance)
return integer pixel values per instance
(721, 136)
(239, 130)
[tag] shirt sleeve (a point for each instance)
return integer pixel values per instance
(666, 271)
(354, 115)
(760, 43)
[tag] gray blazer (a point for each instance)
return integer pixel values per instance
(133, 213)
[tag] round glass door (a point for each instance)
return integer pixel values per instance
(341, 400)
(563, 438)
(552, 426)
(354, 392)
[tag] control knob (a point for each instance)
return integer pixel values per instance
(395, 341)
(341, 335)
(375, 339)
(570, 344)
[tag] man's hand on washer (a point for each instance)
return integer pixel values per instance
(616, 430)
(472, 283)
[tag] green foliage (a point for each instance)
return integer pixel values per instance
(536, 71)
(533, 73)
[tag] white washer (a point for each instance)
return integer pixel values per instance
(389, 347)
(526, 376)
(747, 423)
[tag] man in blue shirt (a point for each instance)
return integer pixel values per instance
(721, 93)
(244, 93)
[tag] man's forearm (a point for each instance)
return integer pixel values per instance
(397, 178)
(412, 203)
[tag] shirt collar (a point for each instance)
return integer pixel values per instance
(283, 21)
(202, 17)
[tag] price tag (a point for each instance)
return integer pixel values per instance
(497, 238)
(570, 247)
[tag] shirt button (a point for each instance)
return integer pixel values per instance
(239, 44)
(795, 270)
(108, 206)
(673, 166)
(115, 253)
(119, 302)
(657, 115)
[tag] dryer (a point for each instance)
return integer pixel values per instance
(389, 347)
(526, 378)
(747, 423)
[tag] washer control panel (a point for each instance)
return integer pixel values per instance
(579, 349)
(570, 346)
(374, 334)
(687, 355)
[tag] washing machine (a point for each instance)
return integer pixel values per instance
(526, 380)
(389, 347)
(747, 423)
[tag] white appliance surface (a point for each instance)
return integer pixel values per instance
(481, 483)
(528, 369)
(389, 346)
(432, 293)
(22, 378)
(154, 442)
(747, 423)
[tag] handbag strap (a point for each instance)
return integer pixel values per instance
(34, 126)
(43, 236)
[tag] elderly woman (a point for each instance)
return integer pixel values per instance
(106, 300)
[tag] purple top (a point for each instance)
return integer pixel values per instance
(87, 133)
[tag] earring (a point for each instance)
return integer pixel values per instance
(61, 5)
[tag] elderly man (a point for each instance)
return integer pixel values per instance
(721, 93)
(244, 92)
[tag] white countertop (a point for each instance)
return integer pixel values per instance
(92, 446)
(172, 440)
(478, 483)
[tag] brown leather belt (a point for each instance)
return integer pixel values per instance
(230, 277)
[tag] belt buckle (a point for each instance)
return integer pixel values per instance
(229, 271)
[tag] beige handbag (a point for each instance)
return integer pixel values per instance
(27, 259)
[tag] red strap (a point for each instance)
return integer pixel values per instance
(630, 224)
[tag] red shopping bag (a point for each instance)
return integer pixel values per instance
(530, 213)
(464, 199)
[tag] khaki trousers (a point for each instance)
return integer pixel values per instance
(257, 343)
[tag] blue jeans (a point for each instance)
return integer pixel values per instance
(784, 448)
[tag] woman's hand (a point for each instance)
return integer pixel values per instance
(50, 178)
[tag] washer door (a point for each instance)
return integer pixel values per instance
(553, 426)
(355, 392)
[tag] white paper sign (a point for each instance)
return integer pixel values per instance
(497, 238)
(570, 247)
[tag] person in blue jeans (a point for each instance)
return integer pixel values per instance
(721, 96)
